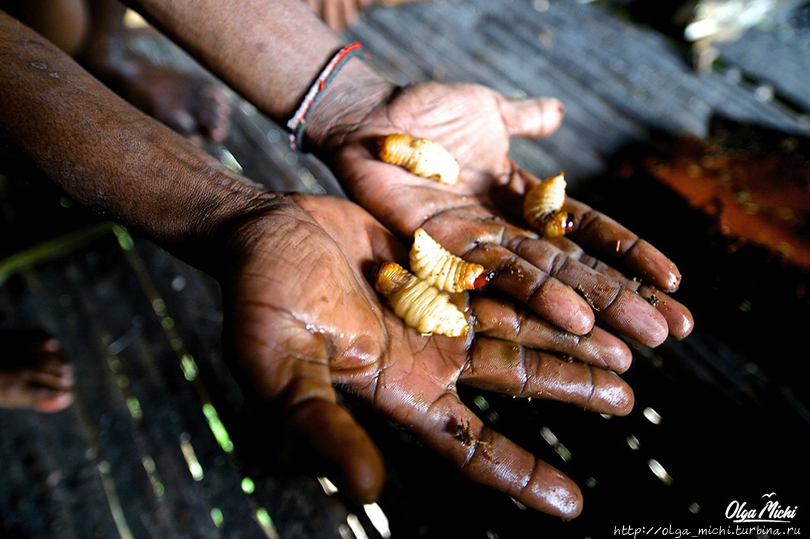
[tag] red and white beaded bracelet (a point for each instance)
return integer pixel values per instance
(298, 122)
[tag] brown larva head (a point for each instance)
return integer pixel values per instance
(379, 146)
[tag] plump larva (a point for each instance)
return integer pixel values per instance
(433, 263)
(420, 156)
(420, 305)
(542, 208)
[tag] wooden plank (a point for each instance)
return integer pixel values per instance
(135, 409)
(619, 82)
(71, 502)
(776, 57)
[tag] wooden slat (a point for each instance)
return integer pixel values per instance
(778, 57)
(617, 81)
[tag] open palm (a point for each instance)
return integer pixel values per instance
(476, 219)
(303, 316)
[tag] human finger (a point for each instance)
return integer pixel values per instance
(548, 297)
(20, 388)
(617, 306)
(679, 319)
(50, 359)
(316, 425)
(47, 345)
(49, 400)
(214, 111)
(55, 365)
(596, 231)
(60, 380)
(489, 458)
(531, 117)
(344, 450)
(330, 13)
(516, 370)
(501, 320)
(288, 363)
(522, 263)
(351, 10)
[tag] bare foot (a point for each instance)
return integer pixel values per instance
(33, 372)
(95, 33)
(338, 14)
(193, 105)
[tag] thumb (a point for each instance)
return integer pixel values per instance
(339, 447)
(537, 117)
(293, 373)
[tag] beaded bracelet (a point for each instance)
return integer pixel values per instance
(298, 122)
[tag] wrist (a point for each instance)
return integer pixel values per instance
(253, 232)
(356, 91)
(231, 228)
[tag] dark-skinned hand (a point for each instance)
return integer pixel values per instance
(480, 218)
(302, 315)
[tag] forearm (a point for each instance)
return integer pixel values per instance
(270, 52)
(109, 156)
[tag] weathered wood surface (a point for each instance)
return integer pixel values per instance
(113, 464)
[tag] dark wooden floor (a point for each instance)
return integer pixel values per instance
(161, 444)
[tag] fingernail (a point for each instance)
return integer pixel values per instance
(581, 321)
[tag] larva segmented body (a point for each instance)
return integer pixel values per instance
(420, 156)
(436, 265)
(420, 305)
(542, 207)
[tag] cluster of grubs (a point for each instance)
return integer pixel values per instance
(422, 298)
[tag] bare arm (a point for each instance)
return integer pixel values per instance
(270, 52)
(109, 156)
